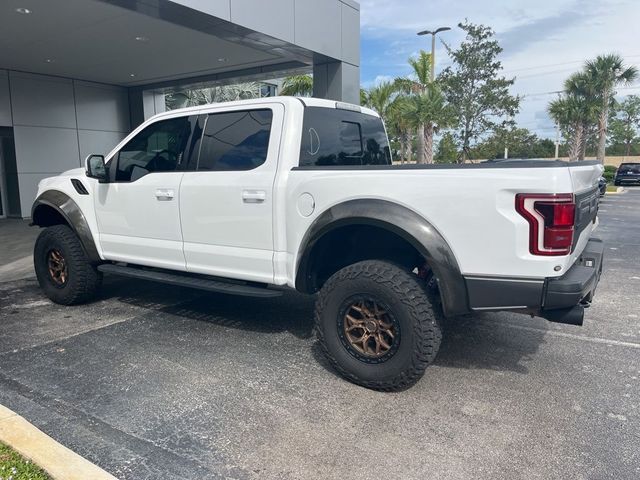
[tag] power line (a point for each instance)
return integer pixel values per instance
(535, 67)
(555, 92)
(553, 71)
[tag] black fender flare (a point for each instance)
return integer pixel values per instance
(71, 212)
(407, 224)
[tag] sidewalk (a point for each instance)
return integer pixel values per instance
(16, 247)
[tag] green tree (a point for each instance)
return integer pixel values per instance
(416, 85)
(474, 85)
(364, 96)
(576, 113)
(399, 128)
(521, 143)
(380, 98)
(447, 151)
(427, 111)
(606, 72)
(625, 123)
(298, 86)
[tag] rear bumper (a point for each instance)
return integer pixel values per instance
(628, 180)
(578, 285)
(559, 299)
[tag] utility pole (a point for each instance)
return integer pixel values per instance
(433, 47)
(557, 140)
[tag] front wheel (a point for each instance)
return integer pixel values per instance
(64, 272)
(377, 326)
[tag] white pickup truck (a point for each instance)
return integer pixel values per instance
(253, 197)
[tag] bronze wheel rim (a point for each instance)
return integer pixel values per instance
(57, 266)
(368, 329)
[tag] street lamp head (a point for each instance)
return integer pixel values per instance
(438, 30)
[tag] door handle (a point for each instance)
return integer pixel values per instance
(164, 194)
(254, 196)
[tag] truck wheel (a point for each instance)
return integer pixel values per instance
(376, 325)
(62, 268)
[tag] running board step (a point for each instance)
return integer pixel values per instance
(189, 281)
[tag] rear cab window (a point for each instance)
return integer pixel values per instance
(629, 168)
(334, 137)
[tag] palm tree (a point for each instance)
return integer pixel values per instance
(429, 111)
(298, 86)
(364, 96)
(576, 112)
(380, 97)
(399, 127)
(605, 73)
(414, 86)
(567, 112)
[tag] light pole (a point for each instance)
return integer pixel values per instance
(433, 47)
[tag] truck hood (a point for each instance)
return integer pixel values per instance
(74, 172)
(52, 182)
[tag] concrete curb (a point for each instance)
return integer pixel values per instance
(617, 192)
(57, 460)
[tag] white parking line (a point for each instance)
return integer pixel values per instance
(573, 336)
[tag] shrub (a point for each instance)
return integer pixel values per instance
(609, 173)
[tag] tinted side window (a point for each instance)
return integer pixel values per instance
(341, 137)
(236, 140)
(158, 148)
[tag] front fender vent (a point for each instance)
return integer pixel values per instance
(80, 188)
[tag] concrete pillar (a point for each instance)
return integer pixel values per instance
(144, 104)
(337, 81)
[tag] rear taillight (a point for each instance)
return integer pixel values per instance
(551, 220)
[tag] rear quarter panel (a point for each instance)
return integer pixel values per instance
(473, 209)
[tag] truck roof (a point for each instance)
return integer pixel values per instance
(306, 101)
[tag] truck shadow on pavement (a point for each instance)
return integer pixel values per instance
(489, 341)
(477, 342)
(293, 312)
(486, 341)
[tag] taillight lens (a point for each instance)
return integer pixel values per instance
(551, 219)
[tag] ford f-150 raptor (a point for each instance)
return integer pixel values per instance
(253, 197)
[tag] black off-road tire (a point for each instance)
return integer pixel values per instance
(406, 297)
(82, 278)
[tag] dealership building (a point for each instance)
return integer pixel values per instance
(76, 76)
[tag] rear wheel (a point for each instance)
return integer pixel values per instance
(376, 325)
(64, 272)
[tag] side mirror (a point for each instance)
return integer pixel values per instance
(95, 167)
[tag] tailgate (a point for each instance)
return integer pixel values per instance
(584, 177)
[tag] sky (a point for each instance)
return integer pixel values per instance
(544, 41)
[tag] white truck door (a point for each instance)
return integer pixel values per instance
(226, 204)
(138, 211)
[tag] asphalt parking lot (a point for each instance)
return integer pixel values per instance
(154, 381)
